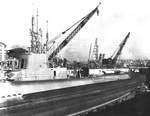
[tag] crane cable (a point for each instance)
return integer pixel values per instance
(59, 35)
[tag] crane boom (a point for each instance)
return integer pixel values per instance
(72, 34)
(111, 61)
(114, 58)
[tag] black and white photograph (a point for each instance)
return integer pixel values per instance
(74, 58)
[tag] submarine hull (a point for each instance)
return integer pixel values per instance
(71, 99)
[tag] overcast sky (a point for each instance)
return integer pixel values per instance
(116, 19)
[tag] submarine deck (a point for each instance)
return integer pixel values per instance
(21, 88)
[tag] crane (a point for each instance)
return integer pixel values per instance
(81, 22)
(110, 62)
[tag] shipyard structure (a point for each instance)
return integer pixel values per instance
(35, 84)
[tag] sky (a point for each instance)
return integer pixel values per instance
(116, 18)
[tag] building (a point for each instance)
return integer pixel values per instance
(2, 51)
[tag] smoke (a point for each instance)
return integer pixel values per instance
(74, 55)
(135, 52)
(76, 52)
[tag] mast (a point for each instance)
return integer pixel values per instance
(37, 15)
(47, 36)
(36, 36)
(31, 32)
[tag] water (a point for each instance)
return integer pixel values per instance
(138, 106)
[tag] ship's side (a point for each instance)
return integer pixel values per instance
(65, 98)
